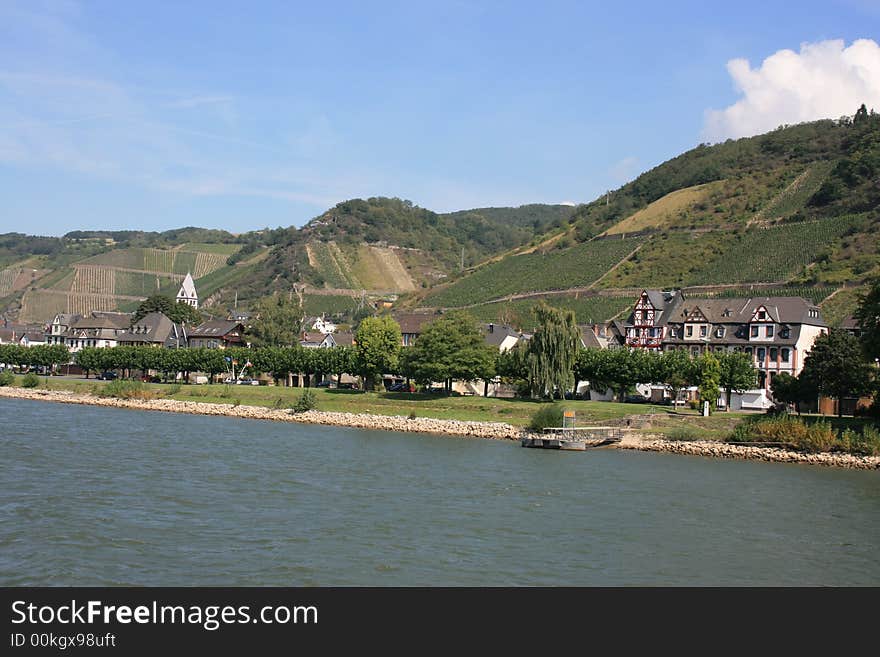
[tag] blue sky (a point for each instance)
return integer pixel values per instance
(154, 115)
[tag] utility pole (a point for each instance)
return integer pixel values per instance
(462, 259)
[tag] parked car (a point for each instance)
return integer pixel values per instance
(108, 376)
(402, 387)
(348, 386)
(326, 384)
(636, 399)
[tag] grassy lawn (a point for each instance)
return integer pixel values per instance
(513, 411)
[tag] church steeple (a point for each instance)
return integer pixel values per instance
(187, 293)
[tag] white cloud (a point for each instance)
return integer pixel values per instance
(824, 80)
(569, 203)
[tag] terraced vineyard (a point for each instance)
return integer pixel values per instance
(359, 267)
(116, 278)
(205, 263)
(578, 266)
(795, 196)
(7, 279)
(90, 279)
(816, 294)
(837, 307)
(775, 254)
(587, 310)
(329, 261)
(139, 284)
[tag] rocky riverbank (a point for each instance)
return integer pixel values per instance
(490, 430)
(732, 451)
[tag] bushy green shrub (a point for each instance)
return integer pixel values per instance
(816, 437)
(412, 415)
(865, 442)
(172, 389)
(123, 389)
(548, 415)
(30, 380)
(307, 402)
(6, 378)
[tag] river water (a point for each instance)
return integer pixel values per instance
(99, 496)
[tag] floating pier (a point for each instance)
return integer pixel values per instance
(574, 439)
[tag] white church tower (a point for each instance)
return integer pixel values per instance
(187, 293)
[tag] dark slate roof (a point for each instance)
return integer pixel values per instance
(153, 327)
(33, 335)
(214, 328)
(850, 323)
(495, 334)
(589, 338)
(739, 310)
(738, 335)
(103, 320)
(344, 338)
(413, 322)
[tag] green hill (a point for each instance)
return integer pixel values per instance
(796, 208)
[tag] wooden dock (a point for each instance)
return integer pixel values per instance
(574, 438)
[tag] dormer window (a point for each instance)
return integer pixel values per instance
(672, 332)
(784, 332)
(704, 331)
(762, 315)
(719, 332)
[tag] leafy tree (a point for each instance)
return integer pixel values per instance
(737, 373)
(868, 316)
(450, 347)
(276, 322)
(176, 311)
(622, 369)
(709, 377)
(837, 368)
(675, 370)
(378, 348)
(792, 390)
(553, 351)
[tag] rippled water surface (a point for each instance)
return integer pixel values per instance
(97, 496)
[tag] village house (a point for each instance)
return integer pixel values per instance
(217, 334)
(13, 332)
(154, 329)
(32, 337)
(320, 324)
(317, 340)
(501, 336)
(98, 329)
(59, 326)
(411, 325)
(776, 332)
